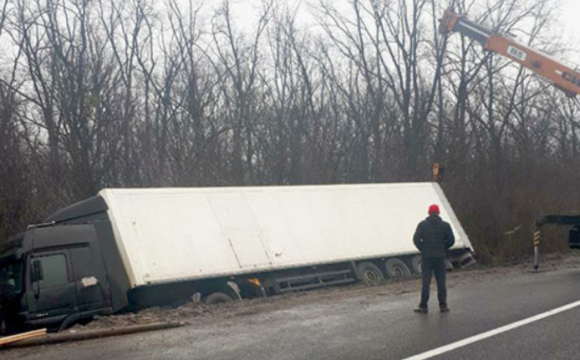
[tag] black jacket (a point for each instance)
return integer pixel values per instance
(433, 237)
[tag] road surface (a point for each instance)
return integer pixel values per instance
(373, 326)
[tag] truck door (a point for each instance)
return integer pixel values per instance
(53, 292)
(66, 273)
(89, 280)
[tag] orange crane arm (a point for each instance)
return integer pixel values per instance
(563, 77)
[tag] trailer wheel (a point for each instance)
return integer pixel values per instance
(397, 269)
(217, 297)
(416, 264)
(370, 274)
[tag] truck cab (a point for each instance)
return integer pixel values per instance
(51, 278)
(54, 275)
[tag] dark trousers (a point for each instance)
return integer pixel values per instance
(430, 266)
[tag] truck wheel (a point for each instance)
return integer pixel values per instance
(370, 274)
(416, 264)
(217, 297)
(397, 269)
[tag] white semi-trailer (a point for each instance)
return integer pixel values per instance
(140, 247)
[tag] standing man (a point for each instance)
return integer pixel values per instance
(433, 237)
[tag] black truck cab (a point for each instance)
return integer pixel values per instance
(55, 274)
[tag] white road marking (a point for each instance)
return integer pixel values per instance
(461, 343)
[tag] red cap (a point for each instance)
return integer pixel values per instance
(433, 209)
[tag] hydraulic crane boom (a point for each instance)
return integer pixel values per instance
(563, 77)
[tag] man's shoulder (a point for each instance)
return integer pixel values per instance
(423, 222)
(446, 224)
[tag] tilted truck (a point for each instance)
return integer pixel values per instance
(127, 248)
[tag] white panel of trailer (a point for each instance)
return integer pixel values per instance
(170, 234)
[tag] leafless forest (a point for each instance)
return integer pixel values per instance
(142, 93)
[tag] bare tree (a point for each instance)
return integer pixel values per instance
(109, 93)
(240, 63)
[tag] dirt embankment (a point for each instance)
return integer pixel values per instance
(198, 313)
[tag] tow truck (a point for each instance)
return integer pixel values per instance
(560, 75)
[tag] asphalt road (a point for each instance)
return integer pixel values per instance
(368, 327)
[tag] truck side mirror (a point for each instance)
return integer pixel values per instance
(37, 271)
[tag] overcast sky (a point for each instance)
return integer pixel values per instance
(569, 13)
(570, 17)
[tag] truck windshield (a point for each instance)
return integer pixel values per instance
(10, 277)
